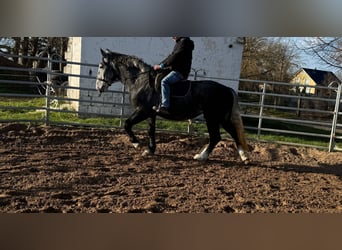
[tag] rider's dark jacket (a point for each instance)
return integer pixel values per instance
(181, 57)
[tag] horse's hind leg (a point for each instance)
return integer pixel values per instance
(235, 128)
(214, 138)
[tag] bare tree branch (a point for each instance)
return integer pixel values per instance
(326, 49)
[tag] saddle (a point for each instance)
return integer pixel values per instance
(181, 101)
(177, 90)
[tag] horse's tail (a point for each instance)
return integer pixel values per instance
(237, 122)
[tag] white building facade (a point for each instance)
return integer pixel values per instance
(217, 57)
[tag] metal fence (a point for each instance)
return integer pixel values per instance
(286, 109)
(270, 110)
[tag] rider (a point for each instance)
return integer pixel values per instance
(179, 61)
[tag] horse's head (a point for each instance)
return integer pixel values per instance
(107, 72)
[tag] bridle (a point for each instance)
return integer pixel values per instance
(103, 80)
(114, 68)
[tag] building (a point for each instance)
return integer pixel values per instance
(218, 57)
(310, 79)
(314, 82)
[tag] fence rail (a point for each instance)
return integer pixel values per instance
(265, 111)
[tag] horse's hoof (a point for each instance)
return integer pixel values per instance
(246, 161)
(147, 152)
(199, 157)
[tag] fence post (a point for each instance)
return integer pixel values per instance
(48, 90)
(262, 100)
(334, 122)
(190, 123)
(122, 111)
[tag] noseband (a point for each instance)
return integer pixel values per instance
(113, 69)
(103, 80)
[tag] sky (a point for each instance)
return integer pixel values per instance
(306, 60)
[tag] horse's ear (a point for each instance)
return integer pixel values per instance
(104, 54)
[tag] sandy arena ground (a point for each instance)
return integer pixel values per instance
(76, 170)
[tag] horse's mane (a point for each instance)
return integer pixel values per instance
(131, 61)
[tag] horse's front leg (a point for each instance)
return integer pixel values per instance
(136, 117)
(151, 134)
(139, 116)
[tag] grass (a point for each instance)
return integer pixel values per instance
(268, 123)
(26, 110)
(22, 102)
(292, 127)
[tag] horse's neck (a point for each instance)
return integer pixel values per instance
(134, 62)
(127, 77)
(134, 71)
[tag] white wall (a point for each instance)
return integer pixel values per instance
(216, 56)
(73, 54)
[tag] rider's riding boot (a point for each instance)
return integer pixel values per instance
(161, 110)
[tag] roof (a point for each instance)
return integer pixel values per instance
(321, 77)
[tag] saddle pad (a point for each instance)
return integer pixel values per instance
(180, 88)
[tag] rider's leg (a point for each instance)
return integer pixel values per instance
(169, 79)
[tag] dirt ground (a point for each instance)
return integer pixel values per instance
(76, 170)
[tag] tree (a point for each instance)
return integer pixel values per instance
(267, 59)
(33, 46)
(251, 64)
(326, 49)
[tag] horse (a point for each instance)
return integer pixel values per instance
(216, 102)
